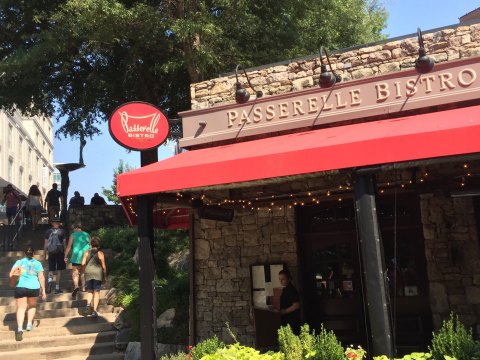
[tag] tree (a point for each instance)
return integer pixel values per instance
(111, 194)
(80, 59)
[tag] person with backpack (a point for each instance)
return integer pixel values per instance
(93, 262)
(54, 252)
(78, 242)
(52, 201)
(30, 285)
(12, 201)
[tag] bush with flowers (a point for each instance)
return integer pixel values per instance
(358, 354)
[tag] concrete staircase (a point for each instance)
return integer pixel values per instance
(61, 331)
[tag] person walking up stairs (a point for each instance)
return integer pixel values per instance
(60, 328)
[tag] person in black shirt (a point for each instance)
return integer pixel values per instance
(97, 200)
(289, 302)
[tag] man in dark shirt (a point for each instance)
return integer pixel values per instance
(77, 200)
(52, 200)
(97, 200)
(289, 302)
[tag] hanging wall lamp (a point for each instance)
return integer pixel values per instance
(327, 78)
(241, 94)
(424, 63)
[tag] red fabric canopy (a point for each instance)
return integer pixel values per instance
(438, 134)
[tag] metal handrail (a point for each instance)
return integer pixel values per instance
(11, 238)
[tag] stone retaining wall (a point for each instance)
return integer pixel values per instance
(453, 261)
(224, 253)
(385, 57)
(95, 217)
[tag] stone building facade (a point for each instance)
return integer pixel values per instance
(224, 252)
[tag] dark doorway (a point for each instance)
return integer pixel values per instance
(332, 277)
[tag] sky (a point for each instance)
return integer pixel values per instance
(102, 155)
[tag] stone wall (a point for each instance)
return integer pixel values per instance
(95, 217)
(224, 253)
(380, 58)
(453, 261)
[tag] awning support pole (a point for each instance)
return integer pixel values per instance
(373, 265)
(146, 263)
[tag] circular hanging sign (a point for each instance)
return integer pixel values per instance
(138, 126)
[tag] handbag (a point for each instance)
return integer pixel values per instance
(13, 281)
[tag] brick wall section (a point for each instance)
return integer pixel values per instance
(453, 261)
(224, 253)
(390, 56)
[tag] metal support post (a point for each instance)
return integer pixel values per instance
(373, 265)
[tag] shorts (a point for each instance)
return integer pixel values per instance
(11, 211)
(34, 208)
(21, 292)
(93, 285)
(77, 265)
(56, 261)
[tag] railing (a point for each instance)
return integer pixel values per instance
(10, 233)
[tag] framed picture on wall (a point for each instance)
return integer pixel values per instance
(266, 287)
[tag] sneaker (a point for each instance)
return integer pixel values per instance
(94, 315)
(19, 335)
(88, 310)
(48, 290)
(29, 327)
(58, 291)
(74, 293)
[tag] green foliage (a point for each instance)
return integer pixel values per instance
(412, 356)
(172, 287)
(327, 347)
(358, 354)
(80, 59)
(323, 346)
(111, 193)
(177, 356)
(237, 351)
(290, 344)
(206, 347)
(453, 339)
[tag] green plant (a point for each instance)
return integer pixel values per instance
(358, 353)
(206, 347)
(237, 351)
(178, 356)
(327, 347)
(453, 339)
(290, 344)
(412, 356)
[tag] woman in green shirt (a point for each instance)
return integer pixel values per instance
(78, 243)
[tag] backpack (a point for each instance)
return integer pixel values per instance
(54, 245)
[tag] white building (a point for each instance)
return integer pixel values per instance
(26, 152)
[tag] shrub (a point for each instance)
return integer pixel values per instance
(237, 351)
(290, 344)
(324, 346)
(206, 347)
(453, 339)
(177, 356)
(412, 356)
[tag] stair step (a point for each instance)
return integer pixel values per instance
(112, 356)
(57, 297)
(52, 305)
(30, 342)
(49, 331)
(61, 352)
(69, 322)
(46, 314)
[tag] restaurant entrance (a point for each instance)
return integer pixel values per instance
(331, 270)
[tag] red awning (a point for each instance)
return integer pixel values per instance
(445, 133)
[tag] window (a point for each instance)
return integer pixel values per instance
(10, 170)
(10, 136)
(20, 149)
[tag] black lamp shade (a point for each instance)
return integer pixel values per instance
(327, 79)
(241, 94)
(424, 63)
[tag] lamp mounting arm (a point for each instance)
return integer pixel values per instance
(239, 66)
